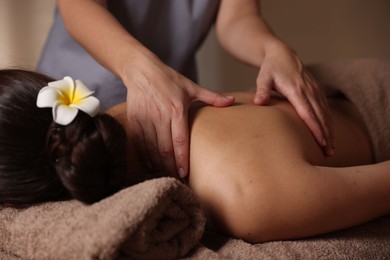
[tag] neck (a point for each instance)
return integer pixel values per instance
(137, 164)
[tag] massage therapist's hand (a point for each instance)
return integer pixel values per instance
(282, 71)
(243, 33)
(158, 97)
(157, 107)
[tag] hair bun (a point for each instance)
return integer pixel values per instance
(89, 156)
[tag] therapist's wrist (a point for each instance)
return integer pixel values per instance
(274, 48)
(141, 65)
(135, 57)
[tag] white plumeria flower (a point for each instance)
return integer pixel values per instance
(67, 97)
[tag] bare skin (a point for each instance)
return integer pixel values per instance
(159, 97)
(261, 176)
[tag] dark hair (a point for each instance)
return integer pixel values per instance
(43, 161)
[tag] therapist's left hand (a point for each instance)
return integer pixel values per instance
(282, 71)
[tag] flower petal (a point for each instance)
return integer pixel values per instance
(89, 105)
(67, 97)
(48, 96)
(63, 114)
(81, 91)
(66, 86)
(66, 83)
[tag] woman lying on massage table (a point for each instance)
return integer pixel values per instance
(257, 170)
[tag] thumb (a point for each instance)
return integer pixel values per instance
(263, 90)
(212, 98)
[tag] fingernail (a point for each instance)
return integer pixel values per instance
(331, 151)
(323, 142)
(257, 100)
(182, 173)
(229, 97)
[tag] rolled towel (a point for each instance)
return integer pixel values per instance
(159, 218)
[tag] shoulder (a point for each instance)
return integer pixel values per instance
(245, 130)
(119, 113)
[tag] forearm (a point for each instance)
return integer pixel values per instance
(93, 27)
(243, 33)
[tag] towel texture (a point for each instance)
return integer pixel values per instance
(156, 219)
(368, 241)
(161, 219)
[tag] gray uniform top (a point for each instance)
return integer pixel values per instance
(172, 29)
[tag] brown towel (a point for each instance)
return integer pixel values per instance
(367, 241)
(156, 219)
(73, 231)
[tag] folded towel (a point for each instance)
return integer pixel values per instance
(158, 218)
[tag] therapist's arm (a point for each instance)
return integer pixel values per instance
(244, 34)
(158, 97)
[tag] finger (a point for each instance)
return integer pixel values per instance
(321, 109)
(210, 97)
(165, 149)
(325, 130)
(264, 85)
(307, 113)
(180, 137)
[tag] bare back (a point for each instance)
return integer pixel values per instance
(259, 166)
(249, 138)
(245, 137)
(246, 159)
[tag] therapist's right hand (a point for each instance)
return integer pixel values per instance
(158, 99)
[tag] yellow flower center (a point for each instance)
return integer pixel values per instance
(67, 99)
